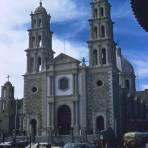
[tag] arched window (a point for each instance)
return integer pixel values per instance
(95, 13)
(102, 31)
(39, 63)
(40, 23)
(39, 41)
(100, 123)
(95, 57)
(127, 84)
(34, 23)
(31, 64)
(3, 106)
(103, 54)
(4, 92)
(95, 32)
(33, 41)
(101, 11)
(10, 94)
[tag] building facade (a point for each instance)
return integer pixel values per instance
(65, 97)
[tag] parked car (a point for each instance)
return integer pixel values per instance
(40, 145)
(134, 139)
(21, 144)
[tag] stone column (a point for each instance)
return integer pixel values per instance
(51, 85)
(49, 114)
(74, 115)
(77, 111)
(52, 114)
(74, 84)
(77, 117)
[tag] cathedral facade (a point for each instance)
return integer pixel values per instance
(63, 95)
(66, 99)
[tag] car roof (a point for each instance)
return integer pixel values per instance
(76, 144)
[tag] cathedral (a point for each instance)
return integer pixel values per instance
(61, 93)
(64, 96)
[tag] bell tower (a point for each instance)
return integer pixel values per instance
(39, 56)
(101, 44)
(39, 53)
(103, 73)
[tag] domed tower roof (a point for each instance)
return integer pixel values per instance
(126, 66)
(8, 83)
(40, 9)
(123, 64)
(7, 90)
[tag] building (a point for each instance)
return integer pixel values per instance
(64, 96)
(10, 111)
(7, 108)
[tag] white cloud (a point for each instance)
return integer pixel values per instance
(13, 42)
(13, 13)
(123, 11)
(74, 50)
(141, 65)
(144, 86)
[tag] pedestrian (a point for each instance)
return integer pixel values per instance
(38, 146)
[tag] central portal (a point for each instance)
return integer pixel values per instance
(64, 120)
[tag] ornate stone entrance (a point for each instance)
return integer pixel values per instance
(64, 120)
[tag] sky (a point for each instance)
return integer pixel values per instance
(69, 23)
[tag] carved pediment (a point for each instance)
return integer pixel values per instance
(63, 58)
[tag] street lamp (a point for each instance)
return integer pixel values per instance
(30, 113)
(15, 121)
(85, 131)
(101, 139)
(1, 133)
(72, 135)
(49, 130)
(51, 134)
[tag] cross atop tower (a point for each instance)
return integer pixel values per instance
(40, 2)
(8, 77)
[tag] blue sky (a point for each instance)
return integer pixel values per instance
(127, 33)
(70, 23)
